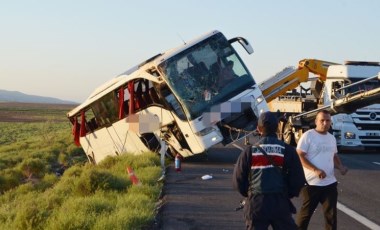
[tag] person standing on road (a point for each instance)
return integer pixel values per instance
(268, 174)
(318, 154)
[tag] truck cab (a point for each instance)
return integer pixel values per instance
(361, 129)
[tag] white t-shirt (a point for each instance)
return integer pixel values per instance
(320, 150)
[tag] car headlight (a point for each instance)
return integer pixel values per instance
(347, 118)
(259, 99)
(349, 135)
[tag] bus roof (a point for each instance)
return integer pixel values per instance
(159, 58)
(170, 53)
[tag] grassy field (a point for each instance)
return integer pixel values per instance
(46, 182)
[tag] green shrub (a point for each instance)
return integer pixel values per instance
(47, 182)
(146, 190)
(73, 150)
(74, 171)
(94, 179)
(32, 167)
(11, 178)
(149, 175)
(136, 162)
(23, 189)
(29, 212)
(123, 218)
(80, 212)
(109, 162)
(137, 208)
(63, 159)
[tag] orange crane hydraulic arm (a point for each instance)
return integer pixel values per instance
(290, 78)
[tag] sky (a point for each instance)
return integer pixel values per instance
(66, 49)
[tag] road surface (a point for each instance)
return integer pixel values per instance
(189, 202)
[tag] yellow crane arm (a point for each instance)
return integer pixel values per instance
(317, 67)
(290, 78)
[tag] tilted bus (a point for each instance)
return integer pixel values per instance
(177, 97)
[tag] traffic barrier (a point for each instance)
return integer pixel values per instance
(132, 176)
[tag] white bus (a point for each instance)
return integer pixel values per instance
(185, 97)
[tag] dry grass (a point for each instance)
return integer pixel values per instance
(33, 112)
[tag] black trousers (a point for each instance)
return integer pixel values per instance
(327, 196)
(262, 211)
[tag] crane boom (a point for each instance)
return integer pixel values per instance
(290, 78)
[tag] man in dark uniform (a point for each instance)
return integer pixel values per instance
(268, 181)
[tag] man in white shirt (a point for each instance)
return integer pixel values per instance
(318, 154)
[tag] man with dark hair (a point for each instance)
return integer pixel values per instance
(318, 153)
(226, 75)
(268, 174)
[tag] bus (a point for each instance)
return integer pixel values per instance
(183, 98)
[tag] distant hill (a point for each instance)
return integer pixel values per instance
(15, 96)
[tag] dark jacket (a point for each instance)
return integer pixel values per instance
(254, 173)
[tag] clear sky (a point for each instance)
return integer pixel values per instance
(65, 49)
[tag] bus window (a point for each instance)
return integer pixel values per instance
(126, 101)
(145, 94)
(123, 102)
(139, 99)
(173, 103)
(91, 123)
(154, 96)
(106, 110)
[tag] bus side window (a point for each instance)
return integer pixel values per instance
(91, 123)
(126, 101)
(145, 94)
(139, 103)
(126, 108)
(154, 96)
(172, 102)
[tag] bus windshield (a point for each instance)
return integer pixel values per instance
(208, 73)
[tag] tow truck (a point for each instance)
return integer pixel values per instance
(350, 92)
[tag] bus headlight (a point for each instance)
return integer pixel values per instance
(205, 131)
(349, 135)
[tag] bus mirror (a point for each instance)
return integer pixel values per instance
(242, 42)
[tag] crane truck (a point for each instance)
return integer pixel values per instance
(348, 91)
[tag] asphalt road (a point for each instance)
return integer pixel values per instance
(189, 202)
